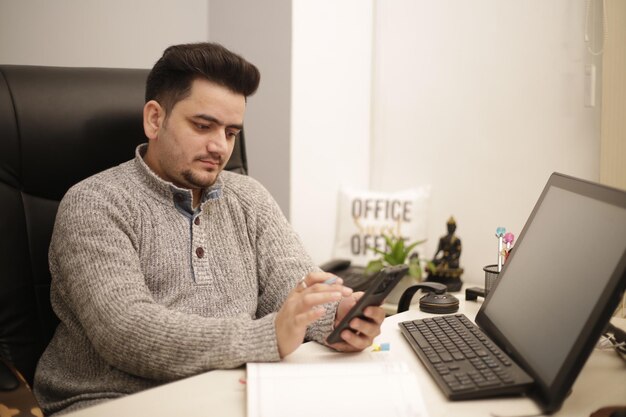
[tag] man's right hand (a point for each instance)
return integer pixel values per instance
(303, 306)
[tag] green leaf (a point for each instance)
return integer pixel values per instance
(390, 259)
(378, 251)
(415, 269)
(374, 266)
(414, 244)
(397, 252)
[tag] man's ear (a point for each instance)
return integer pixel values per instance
(153, 117)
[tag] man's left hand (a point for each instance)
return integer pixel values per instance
(363, 330)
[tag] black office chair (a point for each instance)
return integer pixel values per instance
(57, 127)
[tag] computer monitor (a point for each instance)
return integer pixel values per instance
(561, 283)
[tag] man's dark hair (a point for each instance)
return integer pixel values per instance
(170, 79)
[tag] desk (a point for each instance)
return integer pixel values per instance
(602, 382)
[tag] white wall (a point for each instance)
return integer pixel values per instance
(482, 100)
(93, 33)
(331, 104)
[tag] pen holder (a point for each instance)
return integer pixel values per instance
(491, 275)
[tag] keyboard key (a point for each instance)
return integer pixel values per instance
(421, 341)
(460, 387)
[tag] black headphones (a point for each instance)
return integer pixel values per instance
(436, 300)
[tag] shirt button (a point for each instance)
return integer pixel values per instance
(199, 252)
(197, 221)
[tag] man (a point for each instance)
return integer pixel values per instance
(165, 266)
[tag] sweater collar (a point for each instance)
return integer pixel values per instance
(165, 190)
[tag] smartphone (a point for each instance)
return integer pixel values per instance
(382, 284)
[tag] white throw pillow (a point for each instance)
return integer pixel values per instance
(363, 217)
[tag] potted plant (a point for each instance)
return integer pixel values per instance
(398, 252)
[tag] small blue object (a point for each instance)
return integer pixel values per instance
(384, 347)
(500, 231)
(330, 280)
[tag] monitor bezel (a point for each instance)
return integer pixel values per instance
(550, 397)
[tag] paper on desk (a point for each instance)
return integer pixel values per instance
(333, 389)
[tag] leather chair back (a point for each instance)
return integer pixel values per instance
(57, 127)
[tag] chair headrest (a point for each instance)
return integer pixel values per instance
(65, 124)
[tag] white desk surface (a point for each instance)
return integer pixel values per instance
(601, 383)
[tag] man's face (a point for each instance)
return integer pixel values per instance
(191, 146)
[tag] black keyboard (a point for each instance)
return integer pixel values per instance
(355, 278)
(462, 360)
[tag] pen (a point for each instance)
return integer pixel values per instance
(509, 238)
(330, 280)
(499, 234)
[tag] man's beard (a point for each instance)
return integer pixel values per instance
(195, 182)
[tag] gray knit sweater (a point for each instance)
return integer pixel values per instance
(148, 291)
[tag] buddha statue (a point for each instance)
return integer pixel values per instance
(445, 263)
